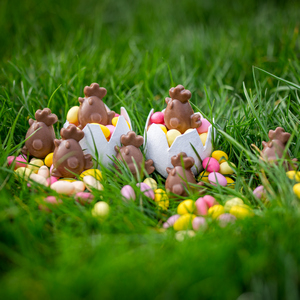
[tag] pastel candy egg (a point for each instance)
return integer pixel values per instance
(100, 209)
(296, 190)
(92, 172)
(203, 176)
(91, 183)
(49, 160)
(146, 189)
(186, 206)
(182, 234)
(233, 202)
(151, 182)
(128, 192)
(170, 222)
(189, 130)
(241, 211)
(52, 200)
(226, 168)
(19, 161)
(157, 118)
(225, 219)
(210, 200)
(184, 222)
(44, 171)
(38, 179)
(114, 121)
(203, 138)
(172, 135)
(104, 129)
(204, 126)
(23, 172)
(220, 156)
(199, 222)
(216, 211)
(117, 115)
(72, 115)
(201, 207)
(163, 128)
(84, 198)
(259, 191)
(230, 182)
(111, 129)
(35, 164)
(79, 186)
(293, 175)
(51, 180)
(161, 198)
(217, 178)
(63, 187)
(211, 164)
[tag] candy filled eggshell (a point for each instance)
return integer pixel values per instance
(158, 149)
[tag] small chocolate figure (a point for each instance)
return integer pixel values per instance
(68, 157)
(179, 113)
(181, 175)
(130, 152)
(274, 148)
(92, 108)
(41, 143)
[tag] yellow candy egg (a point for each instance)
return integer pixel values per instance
(35, 164)
(216, 211)
(230, 182)
(233, 202)
(241, 211)
(23, 172)
(172, 135)
(92, 172)
(203, 176)
(220, 156)
(100, 209)
(128, 124)
(72, 115)
(186, 206)
(296, 189)
(293, 175)
(226, 169)
(151, 182)
(203, 137)
(114, 121)
(161, 198)
(49, 160)
(164, 128)
(104, 129)
(184, 222)
(189, 130)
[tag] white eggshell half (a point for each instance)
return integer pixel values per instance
(157, 148)
(95, 143)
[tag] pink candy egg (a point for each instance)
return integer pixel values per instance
(259, 191)
(199, 222)
(157, 118)
(170, 222)
(211, 164)
(217, 178)
(19, 161)
(210, 200)
(224, 219)
(128, 192)
(204, 126)
(84, 198)
(51, 180)
(111, 129)
(146, 189)
(201, 206)
(117, 115)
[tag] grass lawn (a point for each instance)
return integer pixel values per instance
(138, 50)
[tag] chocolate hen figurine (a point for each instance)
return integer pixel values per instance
(274, 148)
(68, 157)
(131, 152)
(92, 108)
(181, 175)
(179, 113)
(41, 143)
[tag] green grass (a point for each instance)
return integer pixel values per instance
(137, 50)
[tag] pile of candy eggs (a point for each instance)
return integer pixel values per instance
(72, 118)
(158, 118)
(217, 169)
(193, 214)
